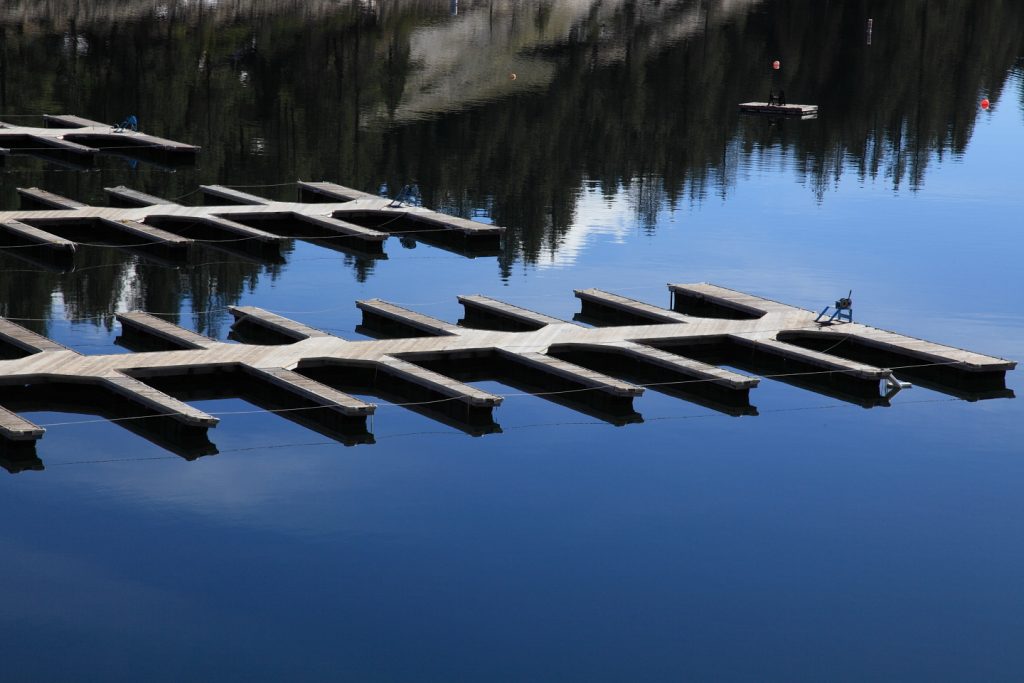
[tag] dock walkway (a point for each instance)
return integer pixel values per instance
(580, 365)
(348, 220)
(80, 140)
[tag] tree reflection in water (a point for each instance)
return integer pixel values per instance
(640, 95)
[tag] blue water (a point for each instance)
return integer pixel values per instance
(815, 541)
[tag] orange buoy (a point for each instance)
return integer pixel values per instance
(985, 103)
(776, 65)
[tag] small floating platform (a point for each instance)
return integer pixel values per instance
(802, 110)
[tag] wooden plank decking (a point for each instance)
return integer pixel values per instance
(152, 326)
(687, 366)
(480, 307)
(27, 234)
(376, 311)
(26, 339)
(276, 323)
(130, 197)
(534, 355)
(294, 383)
(226, 226)
(575, 374)
(437, 382)
(333, 191)
(366, 221)
(86, 129)
(155, 400)
(598, 303)
(16, 428)
(49, 199)
(82, 139)
(146, 233)
(233, 196)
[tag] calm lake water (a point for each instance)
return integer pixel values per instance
(814, 541)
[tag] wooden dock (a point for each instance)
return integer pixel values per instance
(73, 138)
(21, 234)
(342, 218)
(426, 361)
(797, 110)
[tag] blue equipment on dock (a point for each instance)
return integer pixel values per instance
(843, 311)
(410, 194)
(130, 123)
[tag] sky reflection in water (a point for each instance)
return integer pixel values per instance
(817, 540)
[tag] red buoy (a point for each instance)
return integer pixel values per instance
(985, 103)
(776, 65)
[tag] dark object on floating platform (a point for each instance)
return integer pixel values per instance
(425, 363)
(801, 110)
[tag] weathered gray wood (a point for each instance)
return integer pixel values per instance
(535, 352)
(276, 323)
(928, 352)
(16, 428)
(63, 145)
(50, 199)
(71, 121)
(434, 381)
(32, 235)
(312, 390)
(632, 308)
(340, 227)
(412, 319)
(334, 191)
(571, 372)
(150, 325)
(147, 232)
(87, 130)
(435, 219)
(26, 339)
(739, 303)
(732, 298)
(225, 225)
(492, 307)
(686, 366)
(158, 401)
(816, 358)
(327, 217)
(430, 220)
(233, 195)
(134, 197)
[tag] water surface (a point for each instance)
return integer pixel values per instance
(816, 540)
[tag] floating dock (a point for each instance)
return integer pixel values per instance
(798, 110)
(341, 218)
(75, 140)
(426, 364)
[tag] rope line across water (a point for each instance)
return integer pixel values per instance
(538, 394)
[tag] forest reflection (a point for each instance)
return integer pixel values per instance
(634, 96)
